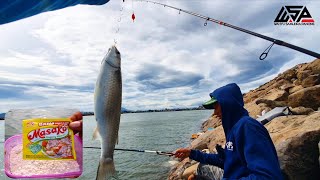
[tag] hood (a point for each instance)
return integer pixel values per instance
(231, 101)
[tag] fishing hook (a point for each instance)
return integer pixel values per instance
(205, 23)
(179, 11)
(119, 20)
(121, 9)
(265, 52)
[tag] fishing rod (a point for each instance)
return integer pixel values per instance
(265, 53)
(137, 150)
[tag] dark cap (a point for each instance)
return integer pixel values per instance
(210, 104)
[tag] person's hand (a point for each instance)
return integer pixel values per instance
(191, 177)
(76, 124)
(182, 153)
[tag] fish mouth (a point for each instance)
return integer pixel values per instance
(111, 50)
(116, 50)
(112, 65)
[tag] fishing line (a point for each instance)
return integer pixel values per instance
(118, 22)
(138, 150)
(265, 53)
(133, 17)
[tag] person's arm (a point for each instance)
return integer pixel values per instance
(259, 152)
(204, 158)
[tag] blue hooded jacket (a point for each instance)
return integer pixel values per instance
(249, 150)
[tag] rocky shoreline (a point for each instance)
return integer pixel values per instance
(296, 137)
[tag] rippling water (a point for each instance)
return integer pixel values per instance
(164, 131)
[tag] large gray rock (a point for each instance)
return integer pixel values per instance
(302, 75)
(296, 140)
(190, 170)
(307, 70)
(298, 156)
(301, 110)
(212, 122)
(271, 104)
(286, 87)
(202, 141)
(256, 109)
(277, 95)
(314, 66)
(307, 97)
(177, 171)
(289, 74)
(295, 89)
(311, 80)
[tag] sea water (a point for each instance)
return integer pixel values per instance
(163, 131)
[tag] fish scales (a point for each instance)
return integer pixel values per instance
(108, 95)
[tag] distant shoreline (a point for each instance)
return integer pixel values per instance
(138, 111)
(148, 111)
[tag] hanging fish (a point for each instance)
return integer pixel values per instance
(107, 110)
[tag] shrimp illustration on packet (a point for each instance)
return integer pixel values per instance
(48, 139)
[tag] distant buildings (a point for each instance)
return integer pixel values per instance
(123, 110)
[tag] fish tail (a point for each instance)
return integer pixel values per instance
(106, 169)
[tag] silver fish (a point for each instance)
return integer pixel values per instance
(107, 110)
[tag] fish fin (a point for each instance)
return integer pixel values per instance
(96, 134)
(106, 169)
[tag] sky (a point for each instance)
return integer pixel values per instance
(169, 60)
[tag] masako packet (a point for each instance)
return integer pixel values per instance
(47, 139)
